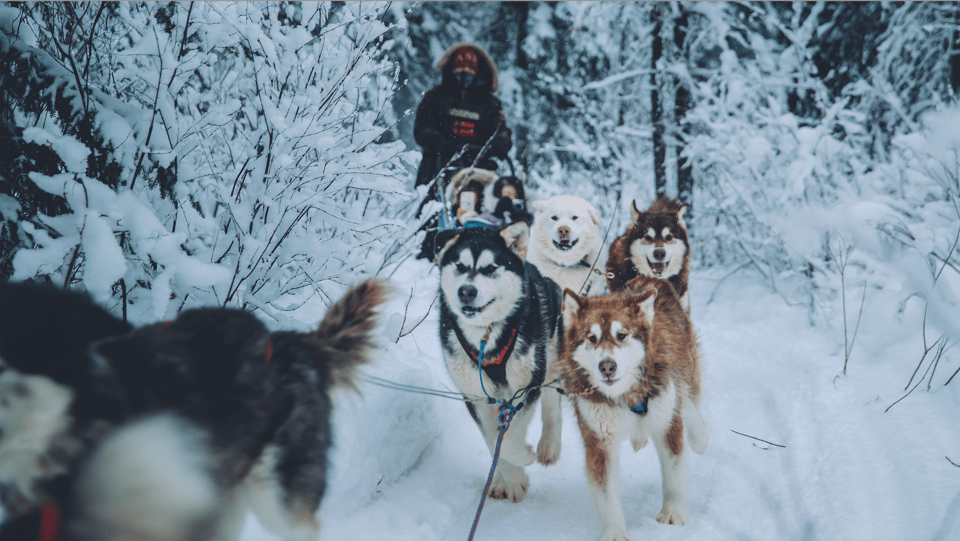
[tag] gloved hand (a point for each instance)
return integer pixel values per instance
(499, 147)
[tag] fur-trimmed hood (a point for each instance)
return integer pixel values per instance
(484, 58)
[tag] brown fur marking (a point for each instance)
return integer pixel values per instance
(596, 454)
(675, 435)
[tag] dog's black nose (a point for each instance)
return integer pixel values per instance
(467, 293)
(608, 368)
(659, 254)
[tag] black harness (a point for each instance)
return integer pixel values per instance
(495, 369)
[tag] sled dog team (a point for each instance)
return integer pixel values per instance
(173, 431)
(629, 360)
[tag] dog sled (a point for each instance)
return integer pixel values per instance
(473, 196)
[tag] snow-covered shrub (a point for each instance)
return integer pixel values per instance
(224, 154)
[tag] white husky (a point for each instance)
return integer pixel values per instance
(565, 242)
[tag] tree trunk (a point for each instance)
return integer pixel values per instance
(656, 107)
(683, 105)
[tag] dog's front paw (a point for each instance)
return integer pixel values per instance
(548, 451)
(513, 489)
(521, 455)
(614, 535)
(672, 514)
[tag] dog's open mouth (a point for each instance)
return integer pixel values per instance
(565, 244)
(658, 267)
(471, 311)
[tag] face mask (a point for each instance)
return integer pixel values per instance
(464, 79)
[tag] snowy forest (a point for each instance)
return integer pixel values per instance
(162, 156)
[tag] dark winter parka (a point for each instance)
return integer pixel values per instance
(449, 117)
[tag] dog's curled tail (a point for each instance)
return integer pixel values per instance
(346, 333)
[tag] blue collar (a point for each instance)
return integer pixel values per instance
(640, 408)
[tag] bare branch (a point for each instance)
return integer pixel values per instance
(758, 439)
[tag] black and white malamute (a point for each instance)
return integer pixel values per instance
(167, 432)
(487, 288)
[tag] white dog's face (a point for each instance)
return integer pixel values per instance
(566, 229)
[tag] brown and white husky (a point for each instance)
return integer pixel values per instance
(631, 366)
(655, 244)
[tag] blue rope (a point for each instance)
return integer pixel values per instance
(507, 412)
(483, 346)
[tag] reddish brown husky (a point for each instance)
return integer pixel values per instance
(631, 366)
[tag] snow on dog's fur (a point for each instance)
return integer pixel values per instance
(171, 431)
(565, 242)
(631, 366)
(655, 244)
(485, 284)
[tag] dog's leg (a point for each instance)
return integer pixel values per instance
(510, 481)
(696, 428)
(673, 468)
(603, 476)
(292, 514)
(548, 449)
(514, 448)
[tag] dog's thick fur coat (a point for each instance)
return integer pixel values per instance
(209, 414)
(565, 243)
(655, 244)
(485, 284)
(630, 363)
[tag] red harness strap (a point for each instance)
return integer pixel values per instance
(504, 352)
(50, 523)
(474, 354)
(268, 354)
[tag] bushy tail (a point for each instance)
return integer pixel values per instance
(150, 480)
(345, 334)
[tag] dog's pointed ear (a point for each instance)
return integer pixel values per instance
(571, 306)
(539, 205)
(680, 214)
(634, 212)
(445, 240)
(647, 298)
(517, 237)
(594, 214)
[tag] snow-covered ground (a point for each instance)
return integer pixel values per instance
(411, 467)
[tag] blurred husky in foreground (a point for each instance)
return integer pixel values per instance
(168, 432)
(631, 366)
(486, 289)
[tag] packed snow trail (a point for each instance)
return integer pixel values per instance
(411, 467)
